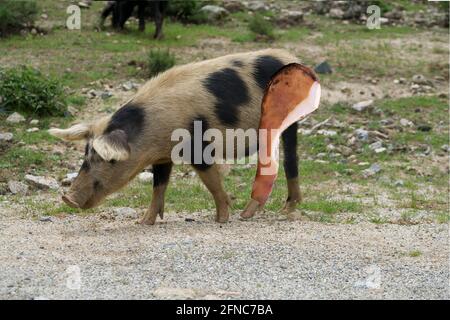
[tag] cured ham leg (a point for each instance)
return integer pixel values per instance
(292, 93)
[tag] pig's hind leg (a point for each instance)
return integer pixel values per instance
(290, 163)
(212, 179)
(161, 175)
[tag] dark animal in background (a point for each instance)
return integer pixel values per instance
(121, 11)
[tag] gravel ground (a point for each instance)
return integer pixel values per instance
(266, 258)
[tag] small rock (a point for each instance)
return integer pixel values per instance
(386, 122)
(34, 129)
(376, 145)
(419, 79)
(127, 86)
(214, 12)
(92, 94)
(34, 31)
(257, 6)
(304, 132)
(72, 110)
(372, 170)
(125, 213)
(42, 182)
(6, 137)
(233, 6)
(84, 4)
(34, 122)
(106, 95)
(445, 148)
(380, 150)
(17, 187)
(361, 134)
(323, 68)
(327, 133)
(45, 219)
(44, 16)
(362, 106)
(406, 123)
(399, 183)
(70, 177)
(145, 177)
(346, 151)
(290, 18)
(336, 13)
(15, 118)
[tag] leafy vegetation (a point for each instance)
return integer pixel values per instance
(159, 61)
(261, 27)
(15, 14)
(27, 90)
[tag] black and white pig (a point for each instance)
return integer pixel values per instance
(222, 93)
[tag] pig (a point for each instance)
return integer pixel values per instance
(222, 93)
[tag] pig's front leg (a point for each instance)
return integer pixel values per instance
(161, 175)
(211, 177)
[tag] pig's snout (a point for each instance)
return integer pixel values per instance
(68, 200)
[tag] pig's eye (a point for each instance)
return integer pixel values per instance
(112, 161)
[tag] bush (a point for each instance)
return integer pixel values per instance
(159, 61)
(261, 27)
(15, 14)
(28, 91)
(183, 9)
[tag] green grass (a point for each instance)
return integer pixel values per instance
(415, 253)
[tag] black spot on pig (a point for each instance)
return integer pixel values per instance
(264, 68)
(161, 173)
(130, 118)
(230, 91)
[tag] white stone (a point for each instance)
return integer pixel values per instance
(376, 145)
(34, 129)
(70, 177)
(327, 133)
(380, 150)
(15, 118)
(145, 177)
(6, 136)
(406, 123)
(363, 105)
(42, 182)
(34, 122)
(17, 187)
(214, 12)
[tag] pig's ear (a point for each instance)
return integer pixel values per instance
(77, 132)
(112, 145)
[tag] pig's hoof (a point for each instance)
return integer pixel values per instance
(290, 206)
(250, 209)
(222, 218)
(149, 218)
(147, 222)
